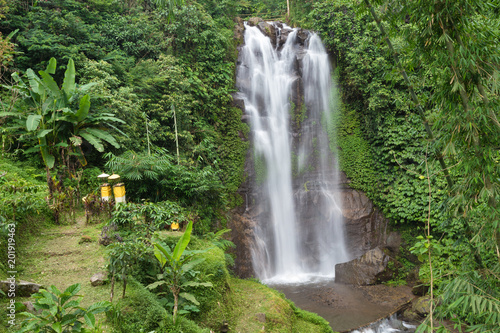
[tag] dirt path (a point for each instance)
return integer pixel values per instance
(56, 256)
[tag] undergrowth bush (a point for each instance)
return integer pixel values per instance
(139, 311)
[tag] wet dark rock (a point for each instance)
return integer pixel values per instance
(269, 30)
(253, 21)
(239, 30)
(242, 235)
(22, 288)
(238, 102)
(421, 305)
(302, 36)
(410, 315)
(393, 242)
(368, 269)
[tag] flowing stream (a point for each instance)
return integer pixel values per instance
(300, 237)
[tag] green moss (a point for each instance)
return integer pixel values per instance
(233, 149)
(260, 168)
(250, 301)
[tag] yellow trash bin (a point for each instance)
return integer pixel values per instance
(119, 192)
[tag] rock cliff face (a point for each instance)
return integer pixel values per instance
(365, 226)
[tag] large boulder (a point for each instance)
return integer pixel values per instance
(370, 268)
(22, 288)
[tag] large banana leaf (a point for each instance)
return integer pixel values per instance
(48, 159)
(69, 85)
(34, 81)
(50, 84)
(43, 133)
(83, 111)
(162, 254)
(51, 67)
(183, 242)
(96, 142)
(33, 121)
(103, 135)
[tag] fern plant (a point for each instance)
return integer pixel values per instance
(472, 299)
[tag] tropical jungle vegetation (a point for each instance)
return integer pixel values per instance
(142, 88)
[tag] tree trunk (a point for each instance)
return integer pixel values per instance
(176, 303)
(112, 287)
(124, 286)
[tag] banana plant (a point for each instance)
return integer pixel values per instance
(177, 265)
(47, 113)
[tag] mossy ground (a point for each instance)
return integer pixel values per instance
(253, 307)
(55, 256)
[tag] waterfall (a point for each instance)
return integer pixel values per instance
(286, 89)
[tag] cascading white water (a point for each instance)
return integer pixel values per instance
(287, 249)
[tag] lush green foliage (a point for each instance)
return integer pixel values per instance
(382, 146)
(139, 67)
(178, 270)
(22, 201)
(61, 314)
(139, 310)
(385, 150)
(47, 115)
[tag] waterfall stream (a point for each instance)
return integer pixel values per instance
(286, 87)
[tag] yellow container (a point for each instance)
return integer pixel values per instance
(119, 192)
(174, 226)
(105, 192)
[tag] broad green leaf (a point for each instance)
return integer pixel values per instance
(33, 121)
(51, 67)
(34, 82)
(50, 84)
(76, 140)
(83, 111)
(189, 297)
(99, 307)
(70, 292)
(43, 133)
(155, 284)
(71, 304)
(92, 140)
(61, 144)
(89, 320)
(48, 159)
(183, 242)
(57, 327)
(162, 254)
(68, 85)
(68, 319)
(190, 265)
(103, 135)
(28, 314)
(197, 284)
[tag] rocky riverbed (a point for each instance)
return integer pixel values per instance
(348, 307)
